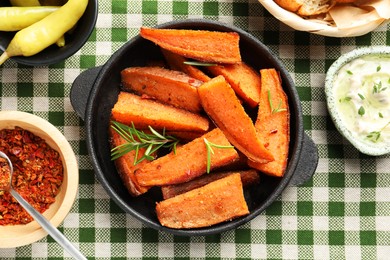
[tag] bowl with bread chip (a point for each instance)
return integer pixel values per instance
(334, 18)
(172, 133)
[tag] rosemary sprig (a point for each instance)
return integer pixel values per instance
(277, 109)
(198, 63)
(209, 148)
(137, 139)
(375, 135)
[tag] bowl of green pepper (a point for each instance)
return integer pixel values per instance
(45, 32)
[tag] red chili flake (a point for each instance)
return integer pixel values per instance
(273, 131)
(37, 177)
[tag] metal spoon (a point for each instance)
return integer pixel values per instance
(38, 217)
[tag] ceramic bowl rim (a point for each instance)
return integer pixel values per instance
(330, 99)
(20, 235)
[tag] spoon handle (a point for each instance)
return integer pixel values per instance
(46, 225)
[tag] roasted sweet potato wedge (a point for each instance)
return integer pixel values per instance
(143, 112)
(176, 62)
(125, 166)
(189, 161)
(244, 80)
(248, 178)
(273, 123)
(216, 202)
(167, 86)
(222, 105)
(201, 45)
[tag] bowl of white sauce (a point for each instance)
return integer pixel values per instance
(357, 89)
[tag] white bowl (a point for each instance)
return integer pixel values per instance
(316, 26)
(19, 235)
(369, 148)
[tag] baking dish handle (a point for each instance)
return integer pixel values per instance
(307, 163)
(81, 88)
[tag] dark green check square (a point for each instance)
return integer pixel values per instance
(25, 90)
(336, 180)
(305, 237)
(56, 90)
(243, 236)
(86, 176)
(335, 151)
(120, 7)
(118, 235)
(56, 118)
(149, 7)
(275, 209)
(307, 122)
(210, 8)
(336, 237)
(181, 239)
(114, 208)
(240, 9)
(119, 34)
(271, 38)
(364, 40)
(213, 238)
(83, 147)
(88, 61)
(336, 209)
(149, 235)
(368, 237)
(301, 38)
(180, 8)
(273, 236)
(367, 208)
(302, 65)
(305, 208)
(368, 180)
(86, 206)
(304, 93)
(87, 235)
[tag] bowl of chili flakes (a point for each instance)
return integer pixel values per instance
(45, 174)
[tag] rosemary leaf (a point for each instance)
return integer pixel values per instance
(275, 110)
(198, 63)
(209, 148)
(136, 140)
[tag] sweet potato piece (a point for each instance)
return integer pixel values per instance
(216, 202)
(189, 161)
(222, 105)
(248, 177)
(167, 86)
(125, 166)
(244, 80)
(185, 136)
(273, 128)
(145, 112)
(202, 45)
(176, 62)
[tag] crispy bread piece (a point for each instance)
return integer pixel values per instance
(306, 7)
(216, 202)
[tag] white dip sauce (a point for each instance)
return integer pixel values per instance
(362, 91)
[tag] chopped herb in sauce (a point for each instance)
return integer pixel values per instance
(361, 111)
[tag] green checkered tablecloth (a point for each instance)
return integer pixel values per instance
(342, 213)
